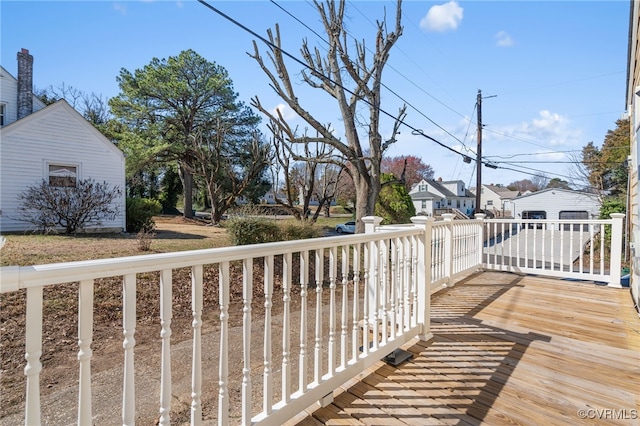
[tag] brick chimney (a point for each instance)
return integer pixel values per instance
(25, 83)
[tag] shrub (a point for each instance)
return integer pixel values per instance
(140, 212)
(146, 236)
(254, 230)
(291, 230)
(73, 208)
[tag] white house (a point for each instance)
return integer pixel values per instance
(50, 143)
(497, 199)
(429, 196)
(554, 203)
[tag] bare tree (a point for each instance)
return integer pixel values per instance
(71, 207)
(352, 79)
(93, 107)
(230, 166)
(307, 172)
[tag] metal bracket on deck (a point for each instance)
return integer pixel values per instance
(326, 400)
(397, 357)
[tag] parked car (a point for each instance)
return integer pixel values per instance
(346, 228)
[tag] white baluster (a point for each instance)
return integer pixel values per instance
(401, 284)
(129, 325)
(356, 303)
(196, 360)
(333, 270)
(366, 303)
(223, 367)
(85, 338)
(302, 364)
(375, 286)
(33, 352)
(247, 296)
(287, 261)
(394, 279)
(383, 297)
(166, 315)
(267, 392)
(345, 303)
(591, 247)
(317, 370)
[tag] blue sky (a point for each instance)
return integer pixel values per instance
(553, 72)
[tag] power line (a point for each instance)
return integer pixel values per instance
(390, 66)
(413, 129)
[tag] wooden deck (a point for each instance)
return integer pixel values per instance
(507, 350)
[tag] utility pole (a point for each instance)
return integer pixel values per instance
(479, 155)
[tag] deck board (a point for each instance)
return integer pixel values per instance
(508, 349)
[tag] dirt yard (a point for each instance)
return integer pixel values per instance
(59, 357)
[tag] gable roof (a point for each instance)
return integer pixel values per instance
(502, 192)
(60, 105)
(423, 195)
(6, 74)
(567, 191)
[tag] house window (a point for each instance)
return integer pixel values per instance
(422, 188)
(424, 204)
(3, 109)
(62, 175)
(489, 202)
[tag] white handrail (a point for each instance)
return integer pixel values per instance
(388, 272)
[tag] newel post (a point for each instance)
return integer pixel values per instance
(448, 249)
(480, 217)
(616, 250)
(371, 223)
(422, 275)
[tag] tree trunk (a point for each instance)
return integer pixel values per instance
(187, 190)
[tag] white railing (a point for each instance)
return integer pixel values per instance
(378, 286)
(456, 249)
(578, 249)
(377, 301)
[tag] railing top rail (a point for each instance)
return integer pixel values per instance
(579, 221)
(13, 278)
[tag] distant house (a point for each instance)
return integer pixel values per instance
(497, 199)
(556, 203)
(52, 143)
(433, 197)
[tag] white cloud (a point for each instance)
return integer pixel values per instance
(119, 7)
(548, 131)
(285, 110)
(504, 39)
(441, 18)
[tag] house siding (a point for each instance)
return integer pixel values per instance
(633, 110)
(58, 135)
(9, 97)
(554, 201)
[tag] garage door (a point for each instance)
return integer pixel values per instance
(574, 215)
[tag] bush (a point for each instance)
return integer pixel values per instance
(255, 230)
(140, 212)
(252, 230)
(72, 208)
(298, 231)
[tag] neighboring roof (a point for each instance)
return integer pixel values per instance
(5, 73)
(568, 191)
(502, 192)
(422, 195)
(16, 126)
(442, 189)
